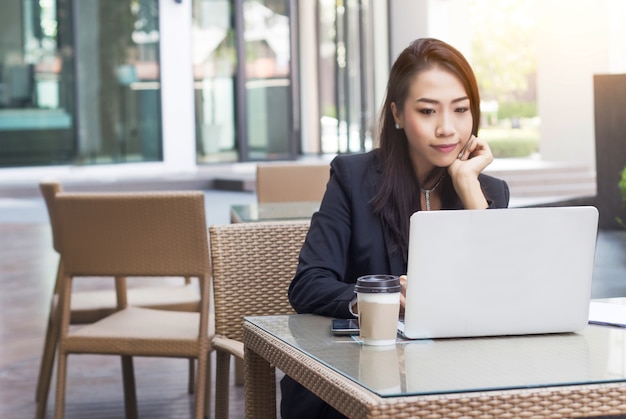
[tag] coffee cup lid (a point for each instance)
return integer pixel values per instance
(371, 284)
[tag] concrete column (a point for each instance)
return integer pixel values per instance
(177, 86)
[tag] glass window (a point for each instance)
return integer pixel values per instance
(244, 90)
(504, 58)
(118, 81)
(268, 87)
(214, 60)
(535, 62)
(346, 86)
(79, 82)
(36, 84)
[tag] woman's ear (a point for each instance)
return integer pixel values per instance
(396, 115)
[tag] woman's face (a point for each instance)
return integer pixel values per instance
(436, 118)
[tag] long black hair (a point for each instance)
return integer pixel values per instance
(398, 194)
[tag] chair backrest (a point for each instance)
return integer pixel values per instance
(49, 190)
(253, 265)
(133, 234)
(288, 181)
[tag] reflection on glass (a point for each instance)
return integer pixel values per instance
(442, 366)
(36, 94)
(379, 368)
(346, 88)
(118, 83)
(214, 61)
(108, 110)
(446, 365)
(268, 84)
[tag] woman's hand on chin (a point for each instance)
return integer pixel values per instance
(473, 161)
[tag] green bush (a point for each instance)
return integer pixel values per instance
(507, 110)
(514, 147)
(507, 142)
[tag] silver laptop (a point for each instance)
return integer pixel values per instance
(499, 272)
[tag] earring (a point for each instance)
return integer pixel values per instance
(397, 126)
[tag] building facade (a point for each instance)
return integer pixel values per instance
(149, 86)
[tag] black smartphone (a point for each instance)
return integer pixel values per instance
(344, 327)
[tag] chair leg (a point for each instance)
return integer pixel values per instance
(59, 408)
(47, 361)
(222, 376)
(41, 409)
(45, 370)
(238, 372)
(207, 388)
(204, 374)
(130, 395)
(49, 349)
(192, 377)
(46, 367)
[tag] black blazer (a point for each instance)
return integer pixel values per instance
(346, 239)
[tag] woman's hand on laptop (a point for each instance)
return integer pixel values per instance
(403, 293)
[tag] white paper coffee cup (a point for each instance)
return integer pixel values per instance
(378, 298)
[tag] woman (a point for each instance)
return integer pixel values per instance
(429, 158)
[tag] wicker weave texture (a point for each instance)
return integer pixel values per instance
(114, 242)
(91, 306)
(49, 190)
(289, 182)
(356, 402)
(135, 234)
(253, 265)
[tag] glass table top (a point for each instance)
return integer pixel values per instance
(274, 211)
(595, 355)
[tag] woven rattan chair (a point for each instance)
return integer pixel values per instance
(90, 306)
(289, 182)
(134, 235)
(252, 265)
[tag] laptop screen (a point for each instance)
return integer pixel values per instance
(499, 271)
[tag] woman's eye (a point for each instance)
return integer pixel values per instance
(427, 111)
(462, 110)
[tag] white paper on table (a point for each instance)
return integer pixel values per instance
(607, 314)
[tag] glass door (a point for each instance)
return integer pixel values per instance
(267, 71)
(118, 81)
(346, 79)
(215, 61)
(244, 83)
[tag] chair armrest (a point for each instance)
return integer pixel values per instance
(233, 347)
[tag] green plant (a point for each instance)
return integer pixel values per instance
(507, 142)
(513, 147)
(622, 188)
(517, 110)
